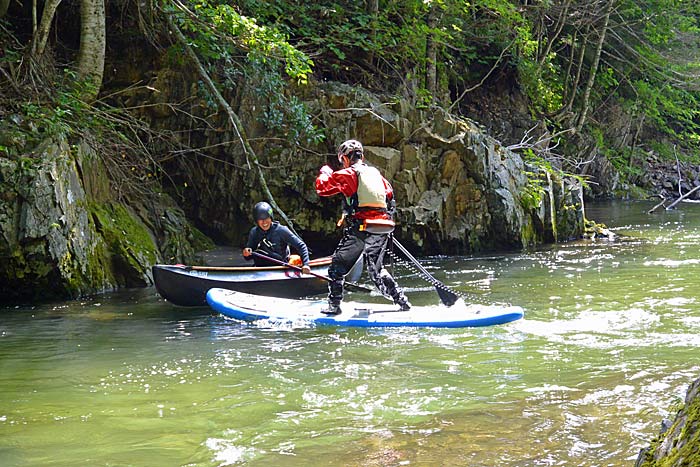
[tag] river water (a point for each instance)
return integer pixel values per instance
(608, 346)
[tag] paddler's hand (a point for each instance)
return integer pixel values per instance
(247, 252)
(326, 170)
(305, 269)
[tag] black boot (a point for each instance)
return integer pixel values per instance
(332, 309)
(404, 305)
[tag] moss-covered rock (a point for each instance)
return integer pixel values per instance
(132, 250)
(48, 238)
(63, 235)
(679, 444)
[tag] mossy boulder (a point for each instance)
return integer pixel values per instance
(64, 235)
(48, 239)
(679, 444)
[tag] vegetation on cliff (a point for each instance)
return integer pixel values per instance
(609, 72)
(620, 76)
(679, 443)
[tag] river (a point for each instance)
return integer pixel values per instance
(608, 347)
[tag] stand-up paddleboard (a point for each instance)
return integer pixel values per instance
(248, 307)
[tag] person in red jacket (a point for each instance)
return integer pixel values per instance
(369, 202)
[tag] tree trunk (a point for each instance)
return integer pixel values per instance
(33, 16)
(594, 67)
(91, 56)
(4, 5)
(579, 68)
(567, 74)
(431, 53)
(373, 10)
(561, 22)
(41, 35)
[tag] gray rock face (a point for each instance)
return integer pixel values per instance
(47, 236)
(457, 189)
(58, 241)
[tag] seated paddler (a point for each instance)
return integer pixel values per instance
(270, 239)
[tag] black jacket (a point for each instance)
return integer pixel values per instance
(275, 243)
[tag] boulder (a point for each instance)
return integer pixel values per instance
(678, 444)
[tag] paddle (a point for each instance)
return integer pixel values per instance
(320, 276)
(447, 297)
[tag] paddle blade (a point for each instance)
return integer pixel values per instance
(447, 297)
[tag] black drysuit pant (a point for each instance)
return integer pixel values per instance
(351, 246)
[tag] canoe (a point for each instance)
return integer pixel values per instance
(246, 307)
(187, 285)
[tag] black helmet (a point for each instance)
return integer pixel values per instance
(351, 148)
(261, 211)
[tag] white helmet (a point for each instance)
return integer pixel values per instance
(351, 148)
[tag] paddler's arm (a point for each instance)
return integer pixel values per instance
(251, 244)
(390, 201)
(329, 183)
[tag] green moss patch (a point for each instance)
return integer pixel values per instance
(131, 248)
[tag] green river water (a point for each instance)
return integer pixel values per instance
(608, 347)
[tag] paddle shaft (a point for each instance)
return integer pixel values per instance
(446, 295)
(320, 276)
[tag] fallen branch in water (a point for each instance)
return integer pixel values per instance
(663, 200)
(670, 206)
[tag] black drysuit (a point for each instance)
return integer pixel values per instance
(275, 243)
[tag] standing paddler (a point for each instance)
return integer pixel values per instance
(367, 215)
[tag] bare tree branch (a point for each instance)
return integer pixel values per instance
(485, 77)
(233, 118)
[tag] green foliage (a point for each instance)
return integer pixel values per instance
(423, 99)
(644, 59)
(65, 114)
(219, 31)
(286, 114)
(220, 35)
(650, 56)
(542, 84)
(533, 192)
(624, 162)
(537, 179)
(674, 111)
(659, 67)
(388, 47)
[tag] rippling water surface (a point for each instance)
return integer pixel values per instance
(607, 348)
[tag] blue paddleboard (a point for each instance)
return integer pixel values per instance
(249, 307)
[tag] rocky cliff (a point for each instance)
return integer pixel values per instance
(458, 189)
(66, 231)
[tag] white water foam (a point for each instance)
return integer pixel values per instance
(672, 263)
(228, 453)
